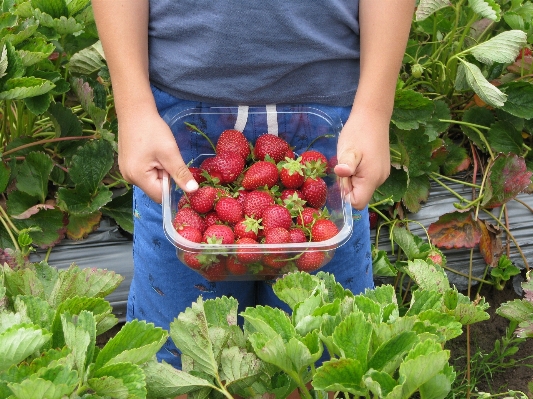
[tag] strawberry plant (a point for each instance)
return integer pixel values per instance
(392, 355)
(57, 148)
(464, 115)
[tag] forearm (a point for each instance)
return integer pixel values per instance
(123, 30)
(384, 30)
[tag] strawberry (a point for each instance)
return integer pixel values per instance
(229, 166)
(183, 201)
(291, 173)
(235, 266)
(289, 193)
(310, 260)
(277, 235)
(193, 260)
(297, 235)
(524, 53)
(188, 217)
(211, 167)
(315, 163)
(203, 199)
(247, 228)
(190, 233)
(241, 195)
(293, 202)
(244, 255)
(197, 174)
(323, 229)
(313, 156)
(255, 202)
(373, 219)
(307, 217)
(276, 216)
(218, 234)
(212, 218)
(273, 146)
(260, 174)
(315, 191)
(233, 141)
(216, 272)
(229, 210)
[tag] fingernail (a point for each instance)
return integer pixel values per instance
(191, 185)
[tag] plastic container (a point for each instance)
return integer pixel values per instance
(303, 128)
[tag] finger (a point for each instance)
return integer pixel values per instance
(361, 193)
(173, 163)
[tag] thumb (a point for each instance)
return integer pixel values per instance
(347, 164)
(173, 163)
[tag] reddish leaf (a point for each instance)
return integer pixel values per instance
(490, 244)
(455, 230)
(79, 226)
(508, 177)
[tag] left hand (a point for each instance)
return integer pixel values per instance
(363, 156)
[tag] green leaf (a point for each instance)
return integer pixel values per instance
(5, 172)
(417, 193)
(486, 8)
(439, 386)
(87, 96)
(467, 312)
(20, 341)
(427, 7)
(271, 322)
(75, 6)
(354, 346)
(516, 310)
(120, 381)
(380, 383)
(434, 126)
(121, 210)
(61, 25)
(295, 288)
(38, 104)
(413, 246)
(80, 336)
(165, 381)
(381, 264)
(388, 356)
(477, 116)
(36, 50)
(56, 8)
(394, 187)
(489, 93)
(22, 282)
(88, 60)
(190, 334)
(20, 88)
(502, 48)
(416, 151)
(82, 203)
(428, 276)
(3, 62)
(87, 282)
(519, 99)
(503, 137)
(90, 164)
(340, 375)
(34, 173)
(52, 227)
(136, 342)
(239, 366)
(79, 226)
(66, 123)
(41, 388)
(35, 309)
(275, 351)
(410, 109)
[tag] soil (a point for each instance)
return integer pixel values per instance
(490, 372)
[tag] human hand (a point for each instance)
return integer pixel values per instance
(363, 156)
(146, 147)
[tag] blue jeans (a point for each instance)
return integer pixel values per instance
(162, 286)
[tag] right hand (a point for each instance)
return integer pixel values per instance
(146, 148)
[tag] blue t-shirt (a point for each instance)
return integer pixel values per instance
(255, 52)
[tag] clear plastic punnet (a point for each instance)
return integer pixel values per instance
(304, 129)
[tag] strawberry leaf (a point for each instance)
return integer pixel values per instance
(416, 152)
(417, 192)
(519, 99)
(122, 380)
(33, 175)
(80, 335)
(81, 202)
(50, 225)
(455, 230)
(20, 341)
(427, 7)
(119, 209)
(477, 116)
(79, 226)
(340, 375)
(428, 276)
(504, 137)
(90, 165)
(508, 177)
(486, 8)
(394, 187)
(411, 109)
(490, 244)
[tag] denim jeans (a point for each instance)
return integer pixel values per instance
(162, 286)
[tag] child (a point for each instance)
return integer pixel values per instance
(341, 56)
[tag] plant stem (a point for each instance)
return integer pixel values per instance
(13, 239)
(467, 275)
(191, 126)
(464, 183)
(46, 141)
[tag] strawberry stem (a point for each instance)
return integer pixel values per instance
(193, 127)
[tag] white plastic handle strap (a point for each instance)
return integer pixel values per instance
(242, 118)
(272, 119)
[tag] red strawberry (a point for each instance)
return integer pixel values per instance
(276, 216)
(203, 199)
(211, 167)
(233, 141)
(524, 53)
(277, 235)
(244, 254)
(229, 165)
(229, 210)
(297, 235)
(307, 217)
(275, 261)
(241, 195)
(197, 174)
(310, 260)
(313, 156)
(373, 219)
(273, 146)
(290, 154)
(291, 174)
(218, 234)
(255, 203)
(247, 228)
(216, 272)
(316, 163)
(260, 174)
(190, 233)
(288, 193)
(212, 218)
(323, 230)
(235, 266)
(188, 217)
(315, 192)
(183, 201)
(193, 260)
